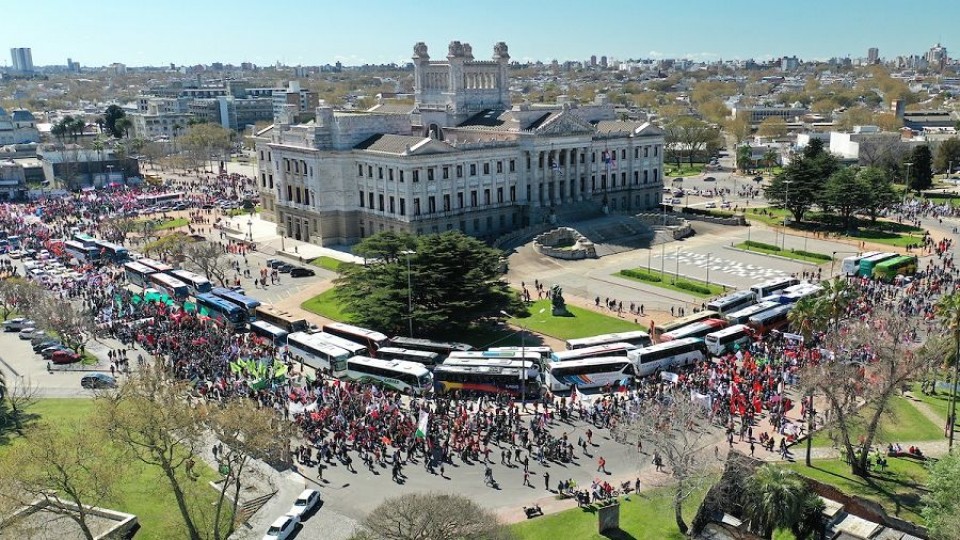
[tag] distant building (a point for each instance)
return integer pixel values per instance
(19, 128)
(73, 167)
(13, 181)
(930, 119)
(603, 62)
(21, 59)
(593, 60)
(937, 57)
(73, 67)
(873, 55)
(755, 115)
(789, 63)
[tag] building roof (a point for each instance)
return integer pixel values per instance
(22, 115)
(403, 145)
(392, 108)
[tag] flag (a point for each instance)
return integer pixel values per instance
(574, 394)
(613, 160)
(422, 425)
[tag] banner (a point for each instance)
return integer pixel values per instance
(422, 425)
(704, 400)
(671, 377)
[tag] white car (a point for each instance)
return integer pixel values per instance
(711, 205)
(15, 254)
(306, 502)
(282, 528)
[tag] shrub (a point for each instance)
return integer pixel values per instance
(641, 275)
(761, 245)
(812, 255)
(694, 287)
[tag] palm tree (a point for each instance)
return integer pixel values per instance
(774, 497)
(948, 311)
(770, 156)
(836, 298)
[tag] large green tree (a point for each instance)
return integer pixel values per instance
(948, 155)
(845, 192)
(880, 191)
(454, 282)
(110, 117)
(921, 169)
(948, 311)
(801, 183)
(776, 497)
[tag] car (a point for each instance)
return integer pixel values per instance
(711, 205)
(710, 179)
(48, 353)
(65, 357)
(305, 503)
(282, 528)
(46, 345)
(98, 380)
(676, 200)
(274, 263)
(285, 268)
(27, 333)
(16, 325)
(302, 272)
(15, 254)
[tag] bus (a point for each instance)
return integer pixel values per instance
(112, 252)
(767, 288)
(509, 355)
(156, 266)
(741, 316)
(170, 286)
(888, 270)
(697, 330)
(728, 340)
(197, 283)
(160, 198)
(491, 376)
(683, 321)
(220, 310)
(426, 358)
(316, 353)
(666, 356)
(636, 337)
(543, 351)
(851, 264)
(610, 349)
(373, 340)
(441, 347)
(733, 302)
(84, 239)
(772, 319)
(283, 319)
(82, 253)
(407, 377)
(867, 263)
(138, 274)
(802, 291)
(248, 304)
(589, 373)
(354, 348)
(266, 330)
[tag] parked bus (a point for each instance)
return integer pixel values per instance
(269, 331)
(82, 253)
(765, 289)
(170, 286)
(197, 283)
(283, 319)
(851, 264)
(248, 304)
(372, 339)
(683, 321)
(867, 263)
(426, 358)
(440, 347)
(741, 316)
(84, 239)
(733, 302)
(112, 252)
(220, 310)
(636, 337)
(772, 319)
(395, 374)
(156, 266)
(728, 340)
(508, 355)
(488, 376)
(160, 198)
(610, 349)
(138, 274)
(589, 373)
(799, 292)
(354, 348)
(543, 351)
(666, 356)
(696, 330)
(888, 270)
(316, 353)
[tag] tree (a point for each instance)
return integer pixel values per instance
(690, 135)
(772, 127)
(879, 190)
(921, 172)
(201, 141)
(941, 510)
(738, 128)
(110, 117)
(845, 192)
(948, 311)
(74, 325)
(801, 183)
(19, 395)
(854, 116)
(776, 497)
(744, 157)
(454, 283)
(123, 126)
(209, 259)
(171, 246)
(948, 155)
(433, 516)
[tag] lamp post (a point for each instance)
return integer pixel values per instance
(523, 360)
(786, 205)
(708, 269)
(906, 182)
(409, 294)
(250, 228)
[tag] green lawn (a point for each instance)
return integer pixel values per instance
(770, 215)
(789, 253)
(671, 171)
(161, 225)
(579, 323)
(898, 489)
(693, 287)
(648, 516)
(328, 263)
(887, 237)
(907, 424)
(143, 490)
(939, 403)
(327, 305)
(243, 211)
(893, 234)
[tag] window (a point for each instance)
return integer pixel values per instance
(513, 193)
(306, 196)
(416, 176)
(431, 204)
(269, 156)
(486, 168)
(286, 163)
(583, 157)
(623, 153)
(656, 178)
(646, 176)
(446, 203)
(499, 194)
(473, 169)
(298, 195)
(473, 199)
(430, 174)
(369, 171)
(486, 196)
(593, 157)
(636, 177)
(499, 167)
(379, 173)
(289, 193)
(261, 155)
(460, 200)
(403, 206)
(459, 171)
(270, 180)
(392, 209)
(296, 167)
(623, 179)
(656, 150)
(263, 179)
(416, 208)
(370, 200)
(646, 151)
(401, 176)
(636, 152)
(380, 200)
(390, 176)
(513, 165)
(361, 198)
(446, 173)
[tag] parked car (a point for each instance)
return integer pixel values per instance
(305, 503)
(46, 344)
(98, 380)
(710, 179)
(711, 205)
(725, 204)
(15, 254)
(27, 333)
(48, 353)
(274, 263)
(676, 200)
(16, 325)
(282, 528)
(302, 272)
(39, 337)
(285, 268)
(65, 357)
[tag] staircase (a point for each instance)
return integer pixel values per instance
(616, 234)
(249, 508)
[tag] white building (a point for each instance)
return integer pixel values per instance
(19, 128)
(463, 159)
(22, 59)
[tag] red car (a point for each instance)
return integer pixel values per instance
(65, 357)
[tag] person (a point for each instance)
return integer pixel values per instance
(526, 479)
(602, 465)
(546, 480)
(488, 475)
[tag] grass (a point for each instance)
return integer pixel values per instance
(579, 323)
(898, 489)
(164, 224)
(770, 216)
(243, 211)
(890, 233)
(326, 304)
(648, 516)
(789, 254)
(907, 424)
(939, 403)
(693, 287)
(672, 171)
(887, 238)
(327, 263)
(142, 490)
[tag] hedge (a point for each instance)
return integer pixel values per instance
(679, 283)
(690, 286)
(645, 276)
(761, 245)
(812, 255)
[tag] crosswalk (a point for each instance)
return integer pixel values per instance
(726, 266)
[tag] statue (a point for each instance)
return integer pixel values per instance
(420, 50)
(556, 298)
(500, 51)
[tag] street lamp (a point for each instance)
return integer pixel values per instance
(250, 228)
(708, 269)
(786, 205)
(906, 182)
(523, 360)
(409, 293)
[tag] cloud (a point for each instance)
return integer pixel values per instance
(655, 54)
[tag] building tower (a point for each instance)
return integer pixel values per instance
(873, 55)
(22, 59)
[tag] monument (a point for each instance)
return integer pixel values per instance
(559, 304)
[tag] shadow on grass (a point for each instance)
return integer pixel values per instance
(871, 485)
(8, 426)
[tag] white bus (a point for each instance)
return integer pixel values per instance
(741, 316)
(83, 253)
(728, 339)
(372, 339)
(488, 376)
(197, 283)
(610, 349)
(156, 266)
(851, 264)
(508, 355)
(733, 302)
(636, 337)
(767, 288)
(589, 373)
(316, 353)
(137, 274)
(170, 286)
(425, 358)
(669, 355)
(395, 374)
(269, 331)
(543, 351)
(355, 349)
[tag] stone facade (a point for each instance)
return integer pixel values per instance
(462, 159)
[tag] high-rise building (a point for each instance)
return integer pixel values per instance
(937, 57)
(593, 60)
(22, 59)
(603, 61)
(873, 55)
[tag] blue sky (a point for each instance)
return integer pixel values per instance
(310, 32)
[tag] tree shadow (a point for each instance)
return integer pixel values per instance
(618, 534)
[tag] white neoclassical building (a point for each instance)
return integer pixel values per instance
(462, 157)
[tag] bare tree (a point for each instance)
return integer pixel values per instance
(209, 259)
(73, 324)
(18, 395)
(436, 516)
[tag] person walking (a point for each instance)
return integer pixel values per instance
(526, 479)
(602, 465)
(546, 480)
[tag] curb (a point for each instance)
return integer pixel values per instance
(782, 258)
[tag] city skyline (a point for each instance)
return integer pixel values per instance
(202, 33)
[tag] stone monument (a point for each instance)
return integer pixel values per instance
(559, 304)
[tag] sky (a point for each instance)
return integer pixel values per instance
(316, 32)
